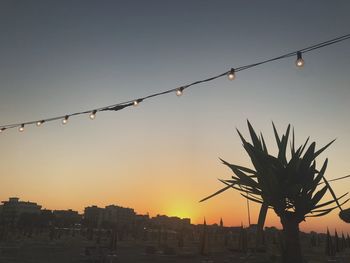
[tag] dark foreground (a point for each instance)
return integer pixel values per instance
(77, 249)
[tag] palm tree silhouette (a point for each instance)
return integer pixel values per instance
(290, 187)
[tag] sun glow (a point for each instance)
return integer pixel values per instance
(182, 210)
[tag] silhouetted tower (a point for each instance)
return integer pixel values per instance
(204, 239)
(221, 222)
(343, 241)
(329, 249)
(243, 239)
(337, 245)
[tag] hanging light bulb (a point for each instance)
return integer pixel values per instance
(179, 91)
(2, 129)
(21, 128)
(137, 102)
(300, 61)
(39, 123)
(93, 114)
(65, 120)
(231, 75)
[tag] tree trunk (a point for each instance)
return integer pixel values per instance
(260, 227)
(291, 246)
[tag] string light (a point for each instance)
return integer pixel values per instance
(21, 128)
(65, 120)
(39, 123)
(300, 61)
(179, 91)
(137, 102)
(93, 114)
(231, 75)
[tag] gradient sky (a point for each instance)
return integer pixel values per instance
(59, 57)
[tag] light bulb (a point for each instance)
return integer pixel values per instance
(179, 91)
(21, 128)
(300, 61)
(65, 120)
(2, 129)
(137, 102)
(231, 75)
(39, 123)
(93, 114)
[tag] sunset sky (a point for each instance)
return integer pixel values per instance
(59, 57)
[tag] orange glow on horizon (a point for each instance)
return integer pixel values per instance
(181, 208)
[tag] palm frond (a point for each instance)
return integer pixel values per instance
(288, 185)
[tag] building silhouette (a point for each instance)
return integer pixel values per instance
(110, 215)
(12, 210)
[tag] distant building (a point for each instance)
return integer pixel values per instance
(46, 218)
(118, 215)
(174, 223)
(142, 220)
(253, 228)
(13, 209)
(92, 216)
(66, 218)
(110, 215)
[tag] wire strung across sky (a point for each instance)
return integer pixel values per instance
(179, 90)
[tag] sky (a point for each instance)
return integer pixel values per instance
(162, 157)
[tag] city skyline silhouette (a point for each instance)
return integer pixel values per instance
(162, 157)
